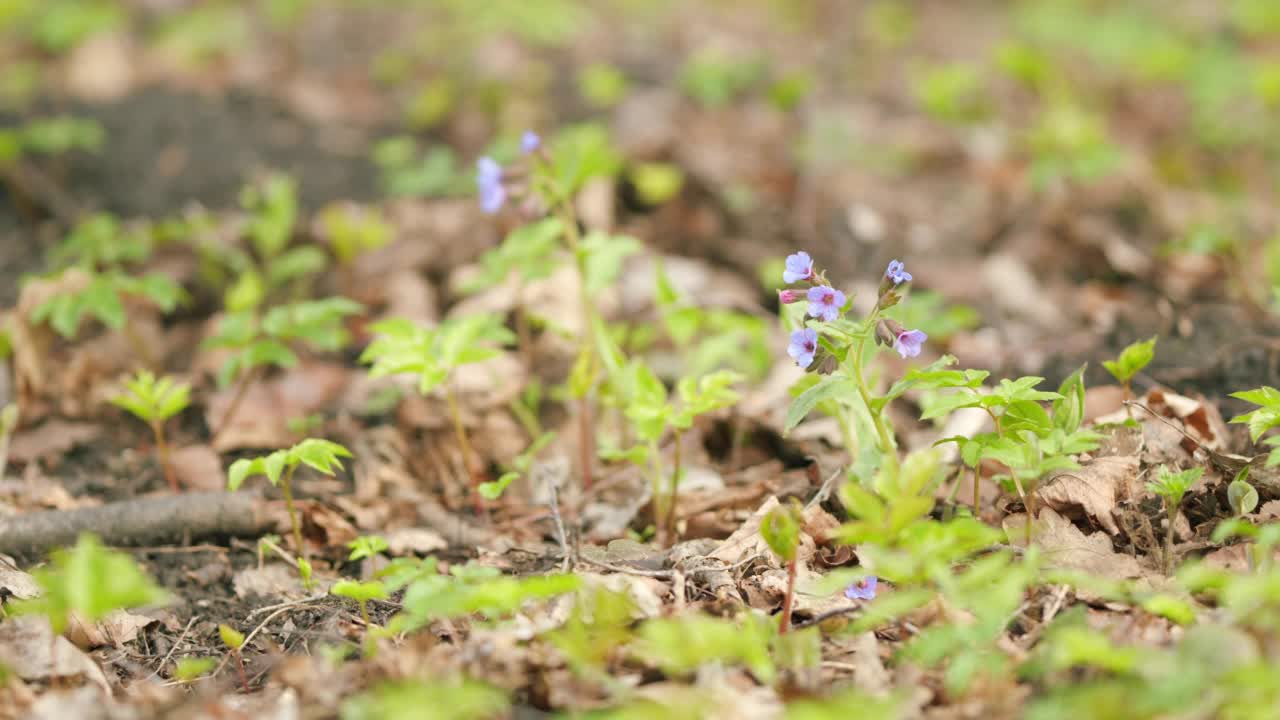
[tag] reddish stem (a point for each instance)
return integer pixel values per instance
(244, 679)
(784, 623)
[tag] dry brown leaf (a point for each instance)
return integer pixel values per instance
(415, 540)
(115, 629)
(269, 581)
(1093, 489)
(86, 702)
(262, 420)
(16, 583)
(100, 69)
(25, 646)
(1065, 546)
(197, 467)
(53, 437)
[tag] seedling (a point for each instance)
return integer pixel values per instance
(781, 531)
(304, 572)
(190, 669)
(1171, 487)
(1241, 496)
(366, 546)
(234, 640)
(1131, 361)
(272, 340)
(279, 466)
(88, 582)
(154, 401)
(652, 415)
(362, 593)
(433, 354)
(1262, 419)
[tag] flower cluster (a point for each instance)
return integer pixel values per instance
(827, 304)
(493, 182)
(864, 589)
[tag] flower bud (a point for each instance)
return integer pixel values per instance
(786, 297)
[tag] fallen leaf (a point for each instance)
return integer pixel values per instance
(16, 583)
(115, 629)
(197, 467)
(100, 69)
(1093, 490)
(52, 437)
(87, 702)
(414, 540)
(26, 643)
(269, 581)
(1066, 547)
(262, 420)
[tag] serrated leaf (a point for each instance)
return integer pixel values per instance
(239, 470)
(274, 464)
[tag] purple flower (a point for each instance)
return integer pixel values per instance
(529, 142)
(825, 303)
(804, 343)
(897, 272)
(864, 589)
(908, 343)
(799, 267)
(786, 297)
(489, 183)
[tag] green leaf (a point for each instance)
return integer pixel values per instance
(1265, 396)
(780, 529)
(1068, 412)
(239, 470)
(1132, 360)
(932, 377)
(1242, 496)
(359, 591)
(231, 637)
(603, 256)
(321, 455)
(830, 387)
(493, 490)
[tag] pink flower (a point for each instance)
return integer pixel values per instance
(804, 343)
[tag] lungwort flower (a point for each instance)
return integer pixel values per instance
(529, 142)
(864, 589)
(908, 342)
(897, 272)
(804, 343)
(786, 297)
(799, 267)
(489, 182)
(825, 303)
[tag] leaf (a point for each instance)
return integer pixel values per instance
(493, 490)
(1242, 496)
(932, 377)
(830, 387)
(239, 470)
(1132, 360)
(603, 257)
(1068, 412)
(780, 529)
(1265, 396)
(231, 637)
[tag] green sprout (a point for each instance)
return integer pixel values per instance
(279, 466)
(305, 572)
(155, 400)
(1265, 417)
(1131, 361)
(652, 414)
(362, 593)
(88, 583)
(447, 699)
(1241, 496)
(190, 669)
(1171, 487)
(367, 546)
(781, 532)
(234, 640)
(272, 340)
(400, 346)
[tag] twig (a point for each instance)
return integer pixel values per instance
(280, 610)
(143, 521)
(289, 604)
(165, 660)
(560, 534)
(823, 617)
(663, 574)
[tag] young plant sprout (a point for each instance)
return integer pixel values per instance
(1241, 496)
(1131, 361)
(155, 400)
(1171, 487)
(234, 640)
(781, 532)
(362, 593)
(400, 346)
(366, 546)
(548, 177)
(279, 466)
(1263, 418)
(259, 344)
(652, 414)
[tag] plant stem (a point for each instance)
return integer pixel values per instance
(465, 444)
(287, 488)
(1168, 540)
(882, 433)
(977, 474)
(1127, 396)
(586, 445)
(656, 476)
(569, 218)
(364, 615)
(162, 452)
(242, 389)
(244, 679)
(1026, 504)
(785, 622)
(672, 495)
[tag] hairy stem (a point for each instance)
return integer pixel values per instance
(286, 487)
(162, 453)
(885, 440)
(242, 388)
(674, 493)
(784, 623)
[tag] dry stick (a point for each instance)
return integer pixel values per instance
(143, 521)
(246, 381)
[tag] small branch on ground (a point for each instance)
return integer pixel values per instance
(143, 521)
